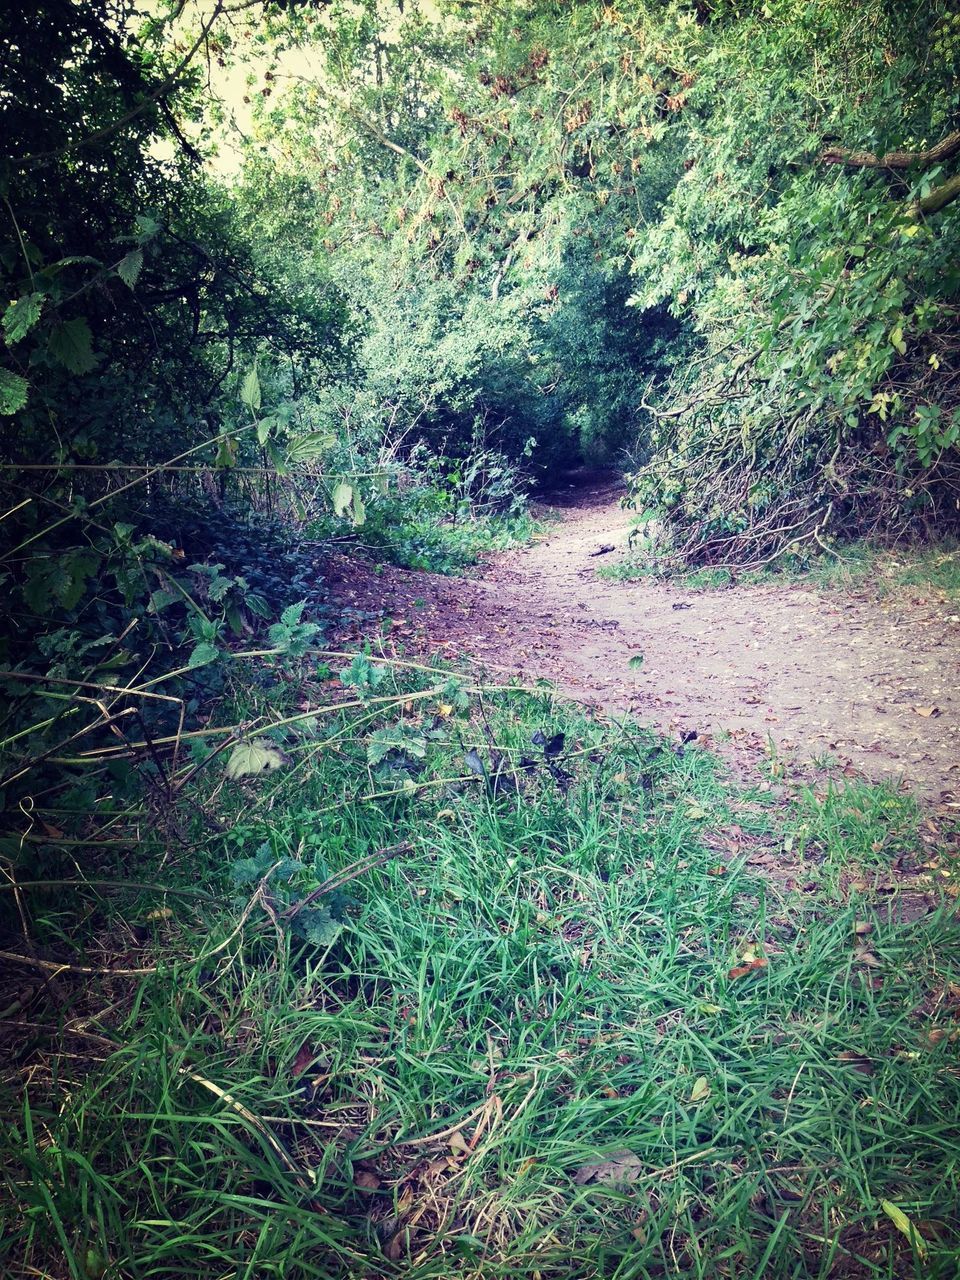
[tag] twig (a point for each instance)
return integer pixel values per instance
(352, 872)
(55, 967)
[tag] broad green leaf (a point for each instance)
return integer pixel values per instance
(311, 446)
(341, 498)
(129, 268)
(359, 510)
(13, 392)
(396, 737)
(61, 578)
(70, 575)
(362, 674)
(226, 452)
(203, 653)
(316, 925)
(293, 613)
(248, 759)
(247, 870)
(72, 344)
(276, 457)
(20, 317)
(250, 391)
(147, 227)
(163, 599)
(219, 589)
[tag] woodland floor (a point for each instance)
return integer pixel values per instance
(863, 683)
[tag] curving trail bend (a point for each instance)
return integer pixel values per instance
(871, 685)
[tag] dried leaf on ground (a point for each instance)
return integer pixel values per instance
(861, 1062)
(618, 1169)
(750, 966)
(306, 1054)
(701, 1090)
(259, 755)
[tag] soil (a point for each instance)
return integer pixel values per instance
(862, 682)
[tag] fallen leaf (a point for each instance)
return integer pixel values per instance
(868, 958)
(366, 1179)
(619, 1168)
(701, 1090)
(862, 927)
(741, 970)
(927, 712)
(903, 1224)
(306, 1054)
(859, 1061)
(259, 755)
(718, 870)
(161, 913)
(936, 1034)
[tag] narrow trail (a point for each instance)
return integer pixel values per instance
(868, 683)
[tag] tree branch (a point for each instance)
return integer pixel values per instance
(937, 199)
(42, 157)
(943, 150)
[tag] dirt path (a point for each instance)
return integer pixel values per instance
(870, 684)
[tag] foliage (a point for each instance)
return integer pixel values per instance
(661, 210)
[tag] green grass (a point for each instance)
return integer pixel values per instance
(856, 566)
(884, 571)
(855, 826)
(536, 982)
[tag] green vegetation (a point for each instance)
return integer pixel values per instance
(446, 994)
(322, 965)
(860, 566)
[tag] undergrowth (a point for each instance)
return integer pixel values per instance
(435, 980)
(420, 529)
